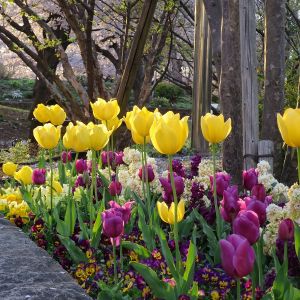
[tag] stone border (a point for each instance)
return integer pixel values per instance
(28, 272)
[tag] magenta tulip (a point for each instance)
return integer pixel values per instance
(258, 207)
(231, 204)
(250, 179)
(259, 192)
(247, 224)
(115, 188)
(237, 256)
(113, 224)
(81, 166)
(125, 209)
(286, 230)
(150, 174)
(119, 158)
(39, 176)
(105, 155)
(222, 182)
(66, 156)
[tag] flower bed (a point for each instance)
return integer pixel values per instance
(125, 229)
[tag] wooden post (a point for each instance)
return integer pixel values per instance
(249, 82)
(266, 152)
(135, 54)
(202, 76)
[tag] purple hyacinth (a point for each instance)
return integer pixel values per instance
(195, 162)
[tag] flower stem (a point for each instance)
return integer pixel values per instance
(298, 157)
(51, 189)
(72, 171)
(259, 262)
(92, 189)
(145, 178)
(94, 173)
(285, 259)
(115, 261)
(108, 162)
(121, 256)
(178, 256)
(218, 218)
(238, 289)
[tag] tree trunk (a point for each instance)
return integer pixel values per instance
(230, 89)
(274, 64)
(249, 82)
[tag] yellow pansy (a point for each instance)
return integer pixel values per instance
(168, 214)
(168, 132)
(288, 125)
(214, 129)
(47, 136)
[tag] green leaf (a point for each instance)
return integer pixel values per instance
(84, 232)
(167, 254)
(61, 226)
(185, 227)
(75, 252)
(159, 288)
(140, 202)
(190, 267)
(194, 291)
(138, 249)
(70, 216)
(97, 228)
(147, 231)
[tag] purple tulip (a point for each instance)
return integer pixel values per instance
(258, 207)
(113, 224)
(124, 209)
(231, 204)
(250, 179)
(81, 166)
(39, 176)
(237, 256)
(222, 182)
(105, 155)
(247, 224)
(259, 192)
(115, 188)
(150, 174)
(166, 184)
(119, 158)
(286, 230)
(66, 156)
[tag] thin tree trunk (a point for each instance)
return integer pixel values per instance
(274, 64)
(230, 89)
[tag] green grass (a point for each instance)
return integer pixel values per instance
(16, 89)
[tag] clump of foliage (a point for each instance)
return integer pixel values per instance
(17, 153)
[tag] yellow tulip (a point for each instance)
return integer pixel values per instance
(57, 187)
(47, 136)
(105, 111)
(168, 214)
(214, 129)
(138, 139)
(113, 124)
(57, 115)
(9, 168)
(99, 137)
(288, 125)
(77, 137)
(24, 175)
(42, 113)
(168, 132)
(127, 119)
(141, 121)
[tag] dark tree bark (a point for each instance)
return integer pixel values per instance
(274, 62)
(231, 89)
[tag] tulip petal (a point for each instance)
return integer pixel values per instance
(163, 211)
(227, 254)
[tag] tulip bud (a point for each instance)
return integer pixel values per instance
(9, 168)
(286, 230)
(250, 179)
(237, 256)
(81, 165)
(222, 182)
(259, 192)
(105, 156)
(150, 173)
(115, 188)
(247, 224)
(119, 158)
(66, 156)
(39, 176)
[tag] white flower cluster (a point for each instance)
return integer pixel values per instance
(293, 206)
(131, 155)
(275, 214)
(278, 190)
